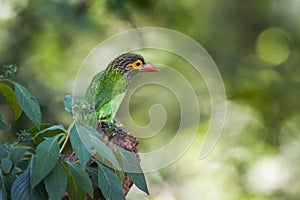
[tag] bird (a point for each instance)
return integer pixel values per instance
(108, 88)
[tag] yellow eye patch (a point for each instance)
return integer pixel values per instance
(137, 64)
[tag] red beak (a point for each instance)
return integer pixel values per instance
(147, 67)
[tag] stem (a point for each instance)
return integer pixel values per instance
(66, 138)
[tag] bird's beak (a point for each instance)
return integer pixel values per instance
(148, 67)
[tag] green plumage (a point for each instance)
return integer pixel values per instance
(107, 89)
(103, 91)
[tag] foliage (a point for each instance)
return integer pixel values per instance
(50, 38)
(35, 167)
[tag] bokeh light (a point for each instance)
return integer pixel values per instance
(272, 46)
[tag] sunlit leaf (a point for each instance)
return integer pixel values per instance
(29, 104)
(56, 182)
(81, 177)
(109, 183)
(11, 99)
(133, 169)
(78, 147)
(46, 157)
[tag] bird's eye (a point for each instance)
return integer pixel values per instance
(137, 64)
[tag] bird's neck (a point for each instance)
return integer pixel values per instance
(115, 79)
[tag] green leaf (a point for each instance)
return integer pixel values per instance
(56, 182)
(28, 103)
(6, 165)
(53, 128)
(3, 125)
(81, 177)
(45, 130)
(93, 143)
(93, 173)
(133, 169)
(3, 193)
(73, 189)
(16, 153)
(6, 181)
(11, 99)
(68, 102)
(109, 183)
(4, 149)
(78, 147)
(46, 157)
(22, 190)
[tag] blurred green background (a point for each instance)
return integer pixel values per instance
(256, 46)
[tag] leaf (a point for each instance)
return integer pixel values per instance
(68, 102)
(6, 165)
(6, 183)
(29, 104)
(81, 177)
(11, 99)
(45, 130)
(78, 147)
(4, 149)
(16, 153)
(93, 174)
(56, 182)
(133, 169)
(91, 140)
(3, 125)
(74, 191)
(109, 183)
(47, 154)
(53, 128)
(22, 190)
(3, 192)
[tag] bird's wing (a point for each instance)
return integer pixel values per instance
(91, 90)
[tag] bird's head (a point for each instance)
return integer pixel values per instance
(130, 63)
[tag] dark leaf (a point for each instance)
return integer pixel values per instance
(79, 148)
(11, 99)
(17, 153)
(7, 181)
(109, 183)
(6, 165)
(73, 189)
(3, 193)
(53, 128)
(47, 154)
(4, 149)
(28, 103)
(22, 190)
(3, 125)
(93, 173)
(133, 169)
(45, 130)
(56, 182)
(81, 177)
